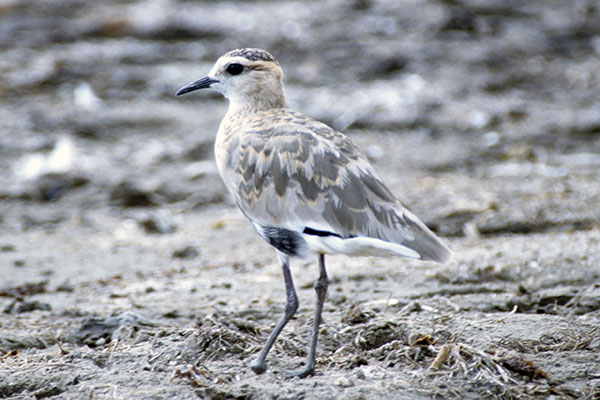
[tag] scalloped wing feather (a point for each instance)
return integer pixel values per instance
(290, 171)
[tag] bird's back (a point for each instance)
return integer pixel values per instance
(301, 182)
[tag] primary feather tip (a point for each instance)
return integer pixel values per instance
(439, 253)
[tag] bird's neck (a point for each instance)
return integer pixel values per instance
(261, 95)
(259, 102)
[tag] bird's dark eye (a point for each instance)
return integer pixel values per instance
(235, 69)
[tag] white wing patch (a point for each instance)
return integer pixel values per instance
(358, 246)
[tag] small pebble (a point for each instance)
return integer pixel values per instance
(343, 382)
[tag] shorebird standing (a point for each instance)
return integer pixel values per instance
(306, 188)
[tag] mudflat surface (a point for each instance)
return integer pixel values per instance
(127, 273)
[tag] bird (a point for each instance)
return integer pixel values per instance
(306, 188)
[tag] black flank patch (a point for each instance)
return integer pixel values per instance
(284, 240)
(311, 231)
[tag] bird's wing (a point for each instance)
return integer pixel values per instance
(303, 176)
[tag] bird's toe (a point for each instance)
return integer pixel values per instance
(300, 373)
(258, 367)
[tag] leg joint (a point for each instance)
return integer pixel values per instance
(291, 306)
(321, 284)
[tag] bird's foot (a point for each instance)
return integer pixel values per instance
(300, 373)
(258, 367)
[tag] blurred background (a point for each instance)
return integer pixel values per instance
(88, 115)
(483, 116)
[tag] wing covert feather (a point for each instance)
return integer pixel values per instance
(301, 173)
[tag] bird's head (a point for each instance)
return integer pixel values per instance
(247, 77)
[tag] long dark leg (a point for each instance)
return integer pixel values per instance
(291, 306)
(321, 290)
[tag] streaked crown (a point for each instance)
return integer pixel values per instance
(251, 54)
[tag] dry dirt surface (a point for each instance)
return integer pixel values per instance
(127, 273)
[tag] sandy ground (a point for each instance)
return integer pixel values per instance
(127, 273)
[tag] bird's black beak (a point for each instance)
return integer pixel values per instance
(199, 84)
